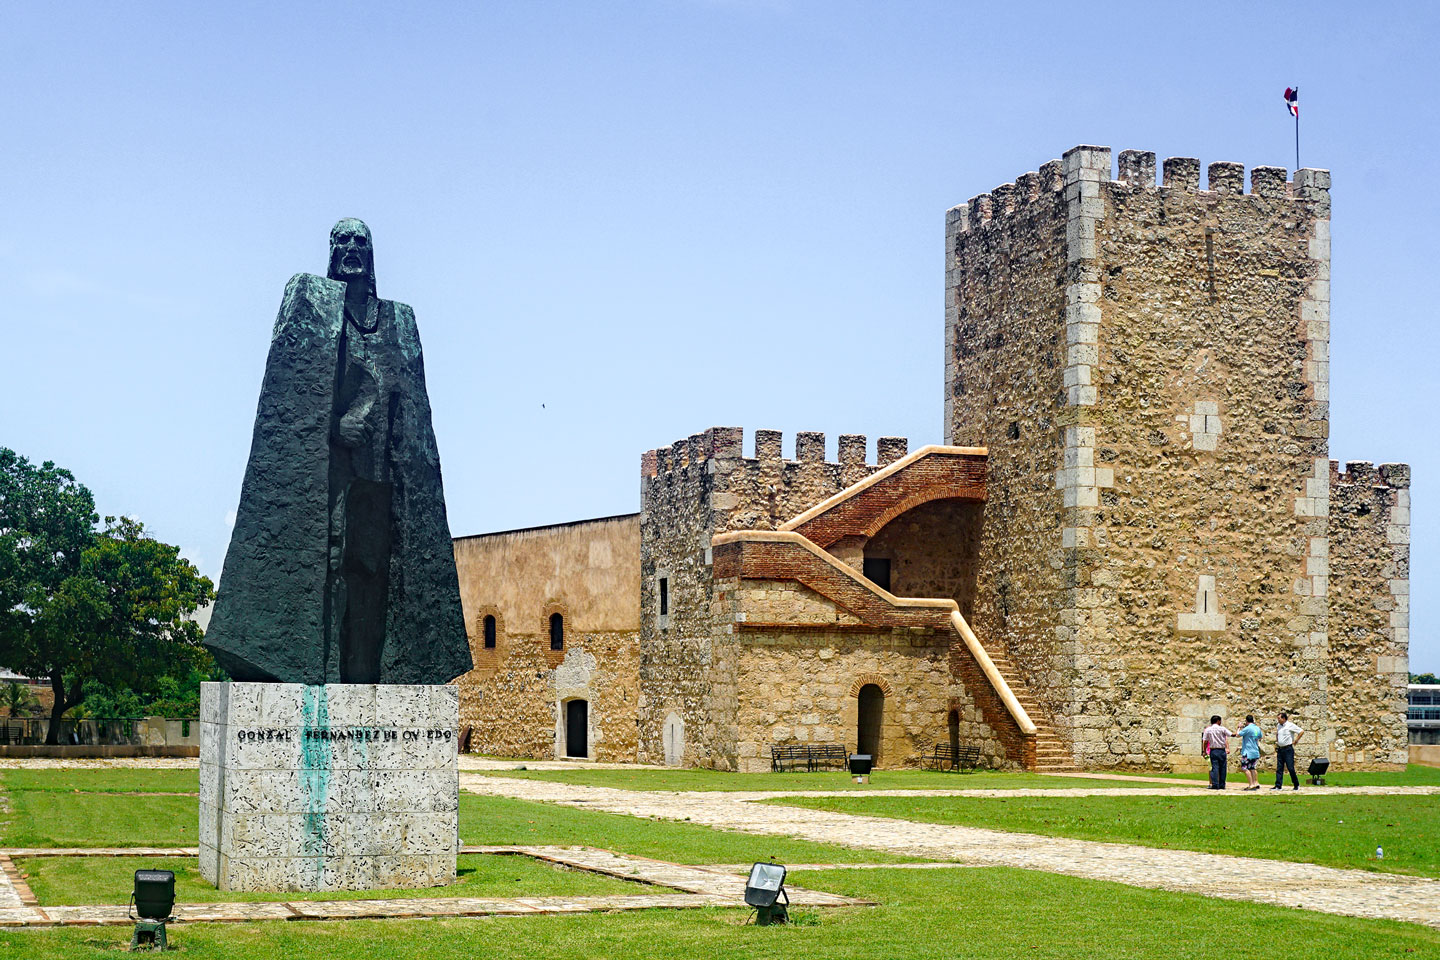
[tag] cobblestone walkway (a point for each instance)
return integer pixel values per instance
(1307, 886)
(698, 886)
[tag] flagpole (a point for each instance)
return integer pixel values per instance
(1297, 128)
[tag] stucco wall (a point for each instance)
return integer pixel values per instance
(589, 572)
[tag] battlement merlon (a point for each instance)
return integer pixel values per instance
(1395, 476)
(727, 443)
(1134, 170)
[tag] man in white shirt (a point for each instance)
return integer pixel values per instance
(1286, 736)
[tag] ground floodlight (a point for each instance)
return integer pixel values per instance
(860, 764)
(762, 891)
(1316, 771)
(153, 898)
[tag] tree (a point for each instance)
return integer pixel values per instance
(76, 603)
(1424, 678)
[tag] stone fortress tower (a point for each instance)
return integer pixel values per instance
(1133, 523)
(1165, 536)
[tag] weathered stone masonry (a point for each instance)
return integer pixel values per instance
(1134, 522)
(1179, 398)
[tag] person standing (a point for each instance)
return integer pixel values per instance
(1287, 735)
(1214, 740)
(1250, 735)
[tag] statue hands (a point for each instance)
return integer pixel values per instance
(354, 428)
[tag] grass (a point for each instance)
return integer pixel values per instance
(982, 914)
(644, 779)
(102, 781)
(1413, 775)
(65, 881)
(505, 821)
(1336, 831)
(49, 810)
(54, 818)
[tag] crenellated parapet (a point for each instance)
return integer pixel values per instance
(727, 443)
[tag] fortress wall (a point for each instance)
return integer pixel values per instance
(1205, 553)
(1005, 355)
(1368, 665)
(586, 571)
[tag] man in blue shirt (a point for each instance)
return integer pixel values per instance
(1250, 751)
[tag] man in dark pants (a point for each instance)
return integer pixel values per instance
(1215, 739)
(1286, 736)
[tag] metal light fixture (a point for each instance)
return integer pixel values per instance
(153, 899)
(1316, 771)
(766, 886)
(860, 765)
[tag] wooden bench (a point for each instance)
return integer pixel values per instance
(963, 757)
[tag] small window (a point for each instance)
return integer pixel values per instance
(664, 596)
(877, 571)
(557, 632)
(490, 633)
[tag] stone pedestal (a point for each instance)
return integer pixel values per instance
(333, 787)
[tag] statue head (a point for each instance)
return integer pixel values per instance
(352, 256)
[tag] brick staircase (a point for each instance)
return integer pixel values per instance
(1050, 752)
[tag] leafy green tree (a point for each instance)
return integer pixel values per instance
(1424, 678)
(77, 603)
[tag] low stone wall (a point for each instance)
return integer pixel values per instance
(335, 787)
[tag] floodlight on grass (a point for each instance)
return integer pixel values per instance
(762, 891)
(1316, 771)
(153, 899)
(860, 765)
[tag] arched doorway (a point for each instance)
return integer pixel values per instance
(577, 724)
(954, 733)
(871, 716)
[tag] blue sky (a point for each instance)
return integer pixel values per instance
(622, 223)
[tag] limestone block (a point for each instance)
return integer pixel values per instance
(336, 787)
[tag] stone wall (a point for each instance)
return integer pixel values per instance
(1005, 353)
(690, 661)
(1148, 367)
(1369, 612)
(588, 572)
(803, 687)
(933, 551)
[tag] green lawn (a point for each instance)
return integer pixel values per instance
(62, 881)
(1413, 775)
(644, 779)
(50, 811)
(102, 781)
(502, 820)
(54, 818)
(981, 914)
(1337, 831)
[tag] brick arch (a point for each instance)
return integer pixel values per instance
(554, 657)
(874, 678)
(918, 499)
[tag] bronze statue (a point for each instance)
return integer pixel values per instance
(340, 567)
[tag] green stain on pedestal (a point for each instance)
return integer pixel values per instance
(316, 756)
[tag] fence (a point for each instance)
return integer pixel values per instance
(104, 731)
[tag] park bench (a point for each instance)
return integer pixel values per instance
(828, 756)
(962, 757)
(808, 757)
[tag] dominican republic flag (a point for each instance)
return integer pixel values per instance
(1292, 100)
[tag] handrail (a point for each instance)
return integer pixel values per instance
(972, 643)
(1007, 696)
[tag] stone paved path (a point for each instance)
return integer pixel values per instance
(698, 886)
(1308, 886)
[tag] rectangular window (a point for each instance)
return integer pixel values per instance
(489, 633)
(664, 596)
(877, 571)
